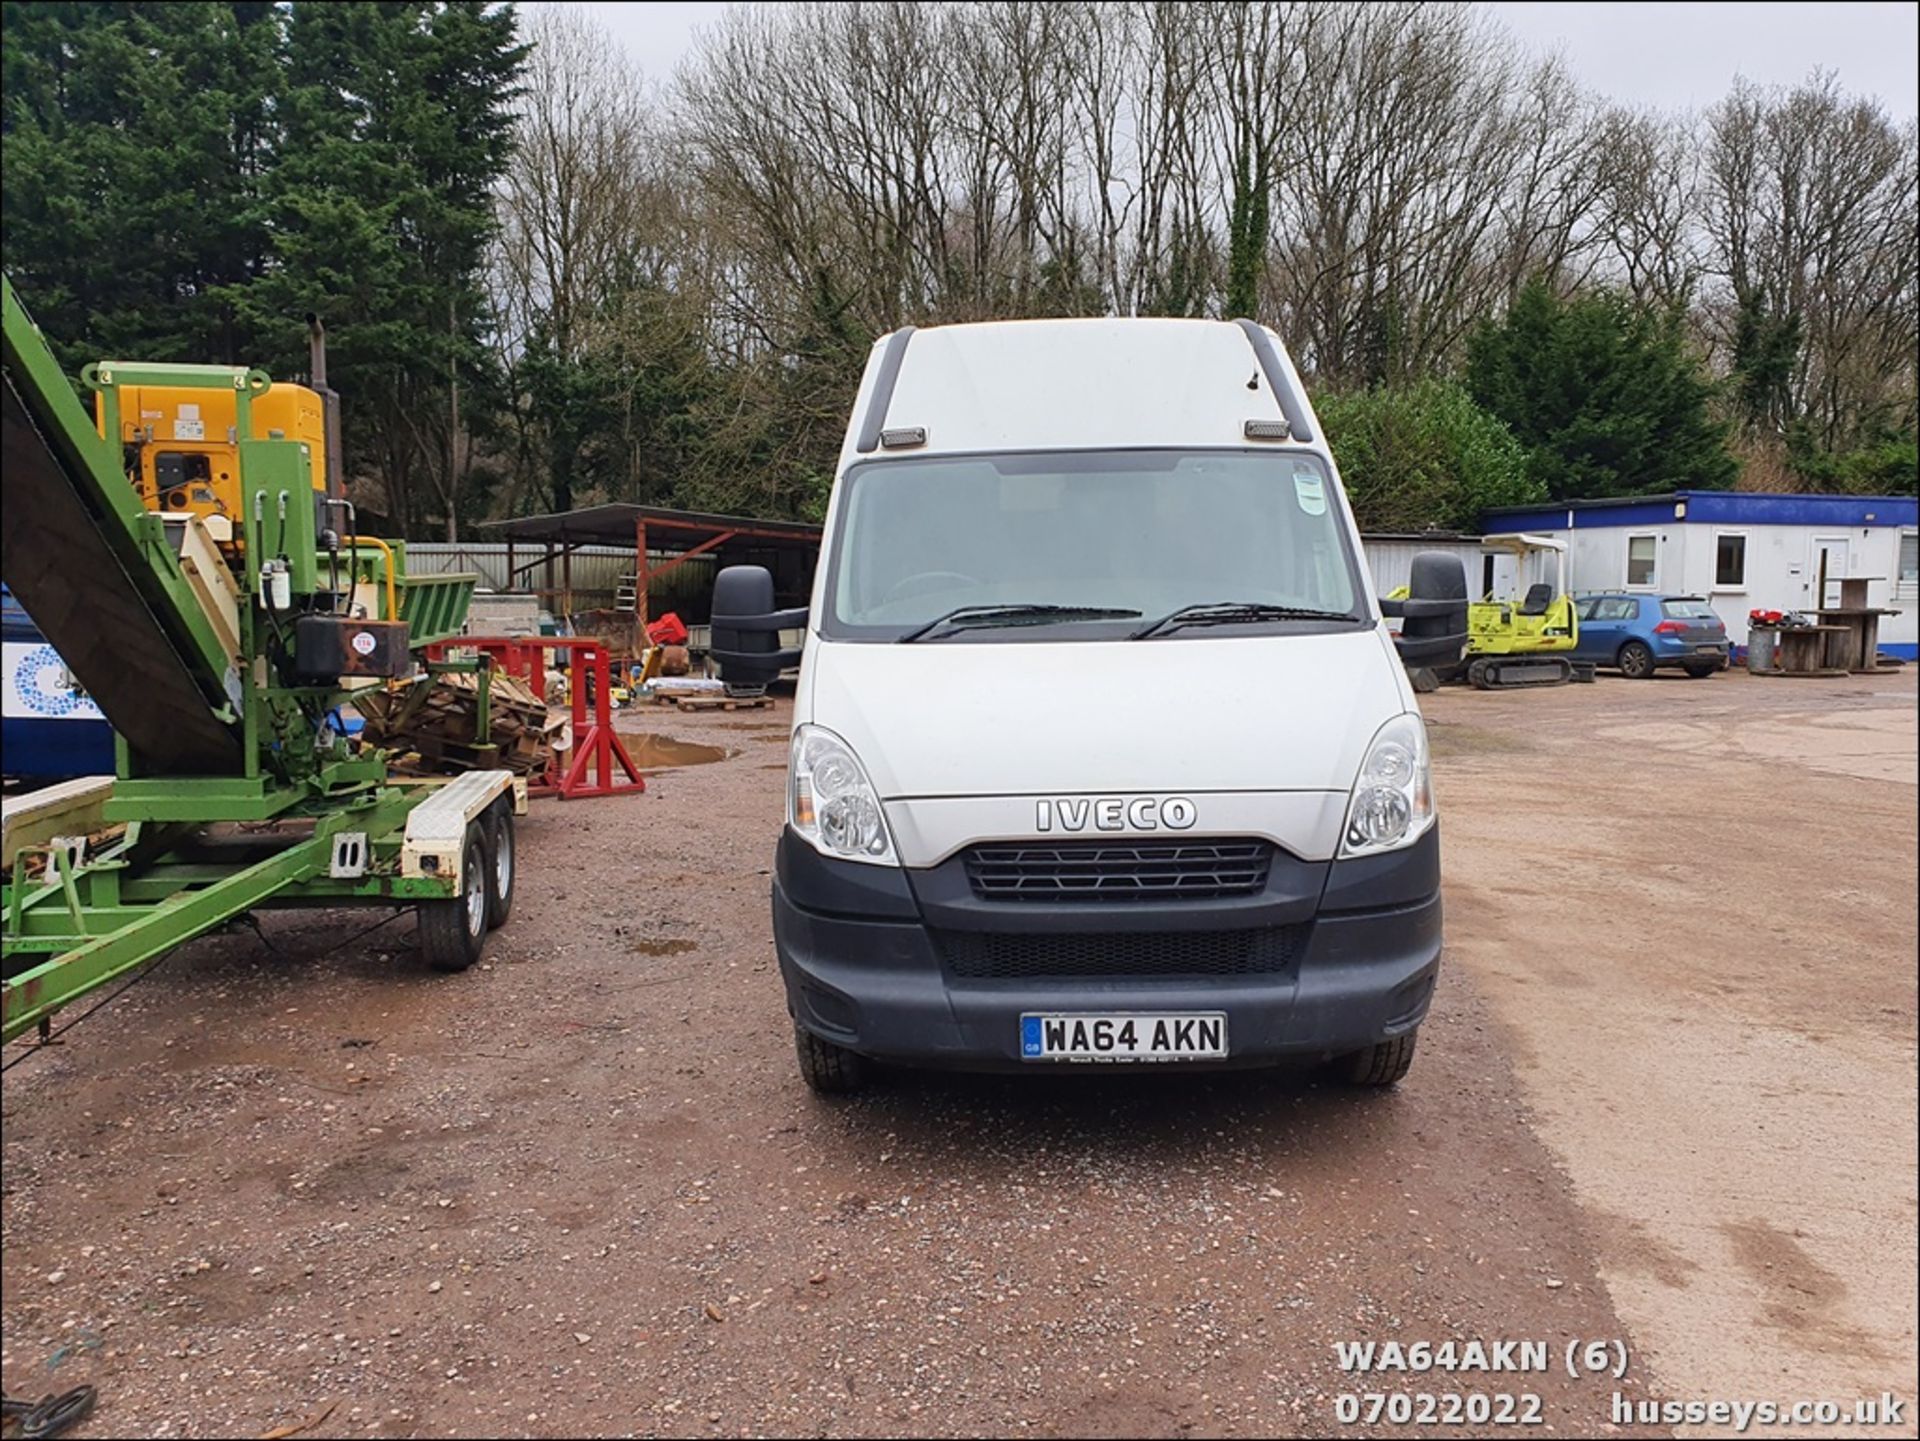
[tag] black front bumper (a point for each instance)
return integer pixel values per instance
(867, 957)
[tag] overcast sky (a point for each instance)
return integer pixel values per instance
(1668, 56)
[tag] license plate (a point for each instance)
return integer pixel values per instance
(1713, 648)
(1076, 1036)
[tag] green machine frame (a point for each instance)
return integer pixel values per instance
(236, 784)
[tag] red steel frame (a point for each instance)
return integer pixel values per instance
(597, 760)
(644, 569)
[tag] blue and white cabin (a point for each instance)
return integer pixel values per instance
(1739, 550)
(49, 727)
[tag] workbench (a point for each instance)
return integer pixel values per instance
(1855, 647)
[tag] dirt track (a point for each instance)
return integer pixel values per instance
(582, 1190)
(1696, 912)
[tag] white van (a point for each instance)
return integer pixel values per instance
(1102, 751)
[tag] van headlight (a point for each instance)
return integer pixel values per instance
(831, 802)
(1392, 802)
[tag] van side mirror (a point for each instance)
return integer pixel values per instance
(1434, 632)
(746, 629)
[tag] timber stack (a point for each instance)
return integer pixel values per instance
(431, 725)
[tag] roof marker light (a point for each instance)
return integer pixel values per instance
(903, 438)
(1268, 430)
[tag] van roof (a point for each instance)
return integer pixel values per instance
(1073, 384)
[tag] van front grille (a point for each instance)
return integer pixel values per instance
(1197, 870)
(1081, 955)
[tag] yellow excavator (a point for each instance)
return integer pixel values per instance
(1524, 637)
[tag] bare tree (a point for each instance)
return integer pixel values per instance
(1810, 229)
(1175, 262)
(1553, 212)
(1650, 205)
(1375, 179)
(1395, 197)
(570, 210)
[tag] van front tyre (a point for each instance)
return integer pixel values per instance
(1382, 1064)
(829, 1069)
(452, 931)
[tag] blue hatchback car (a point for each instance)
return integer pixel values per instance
(1641, 633)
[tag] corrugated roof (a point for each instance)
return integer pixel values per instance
(615, 523)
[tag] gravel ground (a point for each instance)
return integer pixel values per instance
(582, 1190)
(1719, 1041)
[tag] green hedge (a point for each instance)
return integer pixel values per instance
(1424, 457)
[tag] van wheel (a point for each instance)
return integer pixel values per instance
(451, 931)
(1380, 1065)
(501, 867)
(829, 1069)
(1636, 661)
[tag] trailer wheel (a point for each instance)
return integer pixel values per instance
(1382, 1064)
(1701, 672)
(451, 931)
(501, 864)
(829, 1069)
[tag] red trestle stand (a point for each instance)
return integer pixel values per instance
(597, 764)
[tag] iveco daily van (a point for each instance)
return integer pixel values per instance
(1102, 752)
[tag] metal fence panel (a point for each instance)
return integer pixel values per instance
(596, 570)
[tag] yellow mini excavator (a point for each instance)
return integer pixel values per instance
(1523, 637)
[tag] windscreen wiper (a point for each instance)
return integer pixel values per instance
(981, 617)
(1233, 612)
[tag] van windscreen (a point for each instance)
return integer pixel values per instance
(1141, 531)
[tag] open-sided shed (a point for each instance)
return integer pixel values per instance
(661, 540)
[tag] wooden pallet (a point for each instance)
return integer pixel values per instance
(716, 702)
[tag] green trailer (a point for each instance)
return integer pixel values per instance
(222, 650)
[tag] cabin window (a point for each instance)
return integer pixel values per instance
(1643, 552)
(1730, 562)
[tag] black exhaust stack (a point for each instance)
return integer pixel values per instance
(329, 406)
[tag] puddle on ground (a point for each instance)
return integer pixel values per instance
(668, 947)
(651, 752)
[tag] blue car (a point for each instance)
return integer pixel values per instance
(1641, 633)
